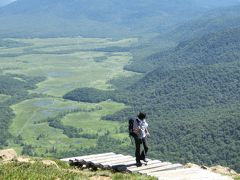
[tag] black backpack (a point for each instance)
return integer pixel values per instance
(130, 127)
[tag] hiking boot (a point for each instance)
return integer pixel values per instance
(138, 164)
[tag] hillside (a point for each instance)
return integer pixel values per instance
(218, 47)
(215, 21)
(106, 19)
(222, 46)
(212, 21)
(191, 103)
(194, 101)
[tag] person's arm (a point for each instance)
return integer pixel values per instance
(147, 132)
(146, 128)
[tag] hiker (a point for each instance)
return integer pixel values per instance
(140, 129)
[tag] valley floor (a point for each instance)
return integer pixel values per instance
(67, 64)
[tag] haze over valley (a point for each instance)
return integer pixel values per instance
(72, 72)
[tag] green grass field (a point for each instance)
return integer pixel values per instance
(92, 120)
(31, 115)
(67, 63)
(66, 72)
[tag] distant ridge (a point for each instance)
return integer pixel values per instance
(99, 18)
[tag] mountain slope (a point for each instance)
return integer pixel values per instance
(193, 112)
(218, 47)
(198, 28)
(192, 100)
(215, 20)
(95, 17)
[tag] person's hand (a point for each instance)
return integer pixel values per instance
(148, 134)
(136, 130)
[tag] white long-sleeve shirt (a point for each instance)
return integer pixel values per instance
(142, 126)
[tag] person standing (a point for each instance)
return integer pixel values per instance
(140, 128)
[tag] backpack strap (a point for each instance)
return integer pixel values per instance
(138, 121)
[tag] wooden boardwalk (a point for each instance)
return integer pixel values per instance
(156, 168)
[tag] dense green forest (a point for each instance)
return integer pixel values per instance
(193, 112)
(210, 48)
(185, 88)
(87, 95)
(210, 22)
(16, 88)
(218, 47)
(193, 108)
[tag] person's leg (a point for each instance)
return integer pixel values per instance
(137, 151)
(145, 146)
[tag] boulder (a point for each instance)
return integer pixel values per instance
(49, 163)
(223, 170)
(7, 155)
(24, 160)
(191, 165)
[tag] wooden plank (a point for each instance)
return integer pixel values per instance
(156, 168)
(120, 160)
(159, 168)
(189, 174)
(97, 163)
(100, 158)
(120, 165)
(88, 161)
(92, 155)
(155, 171)
(204, 174)
(132, 161)
(174, 173)
(85, 156)
(217, 178)
(126, 163)
(206, 177)
(148, 168)
(123, 165)
(151, 164)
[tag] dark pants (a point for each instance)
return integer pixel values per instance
(140, 156)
